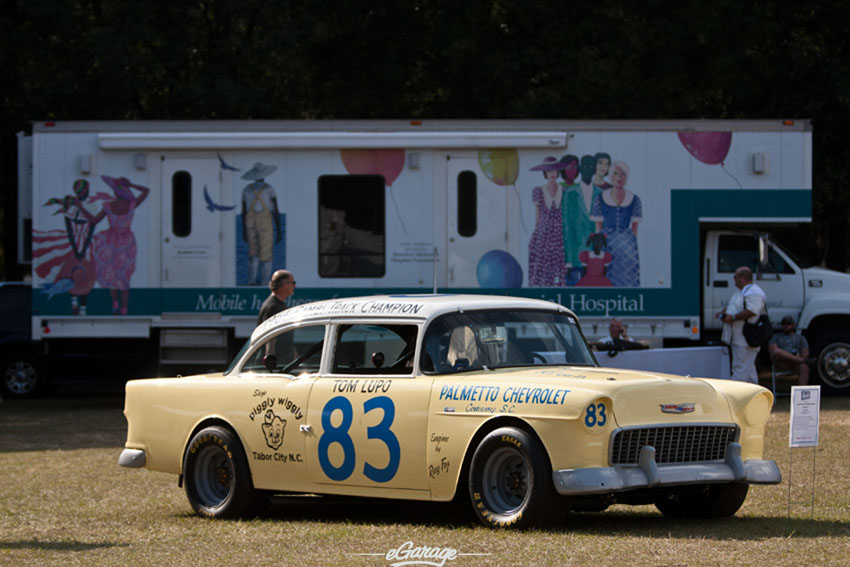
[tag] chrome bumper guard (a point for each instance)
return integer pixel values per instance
(132, 458)
(648, 474)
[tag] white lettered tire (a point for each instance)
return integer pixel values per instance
(510, 480)
(216, 476)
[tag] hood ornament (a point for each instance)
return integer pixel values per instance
(678, 408)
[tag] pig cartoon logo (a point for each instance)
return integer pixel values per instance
(273, 430)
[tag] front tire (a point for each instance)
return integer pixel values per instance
(216, 475)
(510, 480)
(832, 370)
(704, 501)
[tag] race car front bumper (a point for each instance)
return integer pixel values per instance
(649, 474)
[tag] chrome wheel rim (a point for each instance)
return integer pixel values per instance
(834, 365)
(21, 377)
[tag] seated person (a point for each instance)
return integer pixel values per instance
(463, 349)
(617, 339)
(789, 350)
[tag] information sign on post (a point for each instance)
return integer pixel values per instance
(805, 416)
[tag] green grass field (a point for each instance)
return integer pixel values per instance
(65, 501)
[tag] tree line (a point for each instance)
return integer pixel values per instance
(349, 59)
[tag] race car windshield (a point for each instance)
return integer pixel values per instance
(475, 340)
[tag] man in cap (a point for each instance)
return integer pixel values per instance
(260, 221)
(789, 350)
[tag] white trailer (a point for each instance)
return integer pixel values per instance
(165, 233)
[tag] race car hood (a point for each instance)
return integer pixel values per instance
(637, 397)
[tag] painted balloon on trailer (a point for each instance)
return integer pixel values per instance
(708, 147)
(498, 269)
(501, 166)
(388, 163)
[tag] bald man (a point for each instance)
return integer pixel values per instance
(281, 285)
(746, 305)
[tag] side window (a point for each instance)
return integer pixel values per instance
(467, 203)
(298, 351)
(742, 250)
(352, 229)
(737, 250)
(375, 349)
(181, 204)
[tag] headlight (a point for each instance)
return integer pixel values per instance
(757, 411)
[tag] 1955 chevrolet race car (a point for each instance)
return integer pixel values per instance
(434, 397)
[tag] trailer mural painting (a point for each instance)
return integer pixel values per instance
(584, 218)
(577, 226)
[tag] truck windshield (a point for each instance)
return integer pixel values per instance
(477, 340)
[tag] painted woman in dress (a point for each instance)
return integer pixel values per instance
(617, 213)
(603, 164)
(114, 249)
(546, 266)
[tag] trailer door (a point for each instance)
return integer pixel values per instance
(191, 223)
(477, 219)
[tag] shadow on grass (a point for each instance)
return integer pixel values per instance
(35, 544)
(644, 521)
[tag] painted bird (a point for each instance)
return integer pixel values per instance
(224, 165)
(57, 287)
(212, 206)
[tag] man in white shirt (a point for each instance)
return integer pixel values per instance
(746, 305)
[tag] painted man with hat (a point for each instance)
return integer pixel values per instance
(789, 350)
(260, 221)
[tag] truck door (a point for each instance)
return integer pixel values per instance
(477, 219)
(191, 223)
(782, 280)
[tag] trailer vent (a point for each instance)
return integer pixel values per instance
(673, 444)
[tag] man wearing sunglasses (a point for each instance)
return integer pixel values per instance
(281, 285)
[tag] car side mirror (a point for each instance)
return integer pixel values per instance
(270, 362)
(377, 359)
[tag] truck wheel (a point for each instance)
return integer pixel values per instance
(217, 477)
(705, 501)
(832, 351)
(22, 377)
(510, 480)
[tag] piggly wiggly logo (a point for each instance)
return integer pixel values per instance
(273, 429)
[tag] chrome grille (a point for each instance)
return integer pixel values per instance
(673, 444)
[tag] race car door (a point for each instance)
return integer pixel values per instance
(369, 414)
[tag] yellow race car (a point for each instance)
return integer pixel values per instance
(434, 397)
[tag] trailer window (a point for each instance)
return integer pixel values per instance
(181, 203)
(352, 228)
(467, 203)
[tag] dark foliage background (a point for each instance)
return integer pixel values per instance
(311, 59)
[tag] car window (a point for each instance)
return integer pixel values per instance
(297, 351)
(498, 339)
(375, 349)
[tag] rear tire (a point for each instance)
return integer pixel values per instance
(22, 377)
(510, 480)
(704, 501)
(217, 478)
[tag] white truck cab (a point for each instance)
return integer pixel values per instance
(817, 298)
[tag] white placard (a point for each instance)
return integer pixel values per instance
(805, 416)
